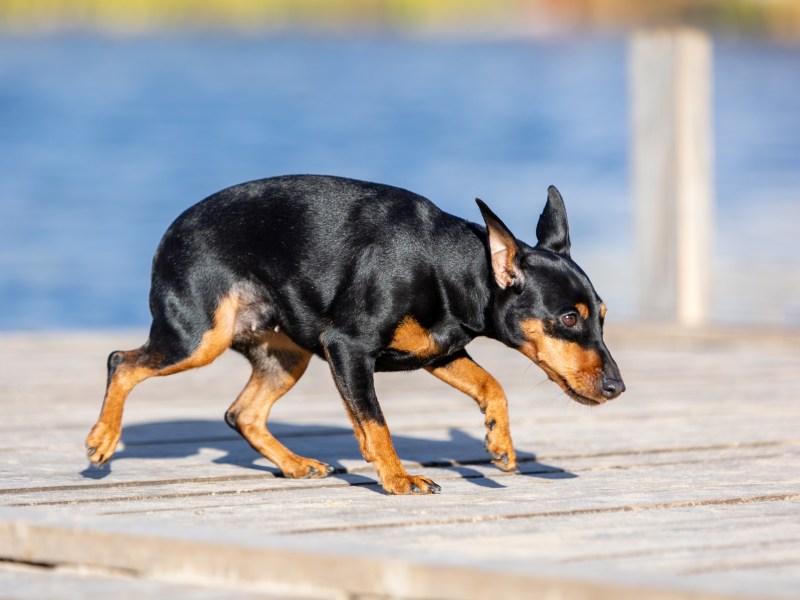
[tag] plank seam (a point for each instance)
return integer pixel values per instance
(548, 514)
(680, 549)
(426, 464)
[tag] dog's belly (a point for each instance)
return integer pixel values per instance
(391, 360)
(394, 360)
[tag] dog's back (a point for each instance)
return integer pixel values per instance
(308, 245)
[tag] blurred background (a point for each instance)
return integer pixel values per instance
(116, 116)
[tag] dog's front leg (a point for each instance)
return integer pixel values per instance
(467, 376)
(353, 372)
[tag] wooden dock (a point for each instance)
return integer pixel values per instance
(688, 486)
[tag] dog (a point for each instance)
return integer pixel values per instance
(370, 278)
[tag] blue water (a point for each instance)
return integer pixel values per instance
(104, 141)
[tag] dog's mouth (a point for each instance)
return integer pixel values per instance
(559, 380)
(529, 350)
(580, 397)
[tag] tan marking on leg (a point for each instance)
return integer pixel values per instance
(104, 436)
(381, 453)
(468, 377)
(413, 338)
(577, 370)
(251, 409)
(375, 440)
(214, 341)
(358, 430)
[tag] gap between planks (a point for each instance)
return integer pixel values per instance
(547, 514)
(368, 469)
(610, 556)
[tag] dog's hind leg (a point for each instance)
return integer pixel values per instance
(166, 352)
(465, 375)
(278, 364)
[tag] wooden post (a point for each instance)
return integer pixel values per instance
(670, 71)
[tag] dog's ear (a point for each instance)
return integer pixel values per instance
(552, 231)
(503, 249)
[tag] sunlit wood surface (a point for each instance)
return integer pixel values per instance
(686, 486)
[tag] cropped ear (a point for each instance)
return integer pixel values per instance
(503, 249)
(552, 231)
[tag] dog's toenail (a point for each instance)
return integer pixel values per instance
(491, 424)
(329, 469)
(90, 451)
(414, 488)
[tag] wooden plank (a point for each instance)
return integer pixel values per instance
(47, 583)
(242, 561)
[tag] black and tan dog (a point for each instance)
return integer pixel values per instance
(370, 278)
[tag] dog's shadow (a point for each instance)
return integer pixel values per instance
(332, 444)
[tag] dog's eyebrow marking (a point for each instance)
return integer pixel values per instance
(412, 337)
(582, 309)
(602, 310)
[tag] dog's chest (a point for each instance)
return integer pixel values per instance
(414, 346)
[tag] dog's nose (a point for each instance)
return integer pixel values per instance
(612, 387)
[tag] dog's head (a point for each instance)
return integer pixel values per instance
(546, 307)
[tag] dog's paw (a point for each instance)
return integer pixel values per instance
(305, 468)
(500, 448)
(101, 443)
(410, 484)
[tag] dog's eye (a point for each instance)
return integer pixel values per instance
(569, 319)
